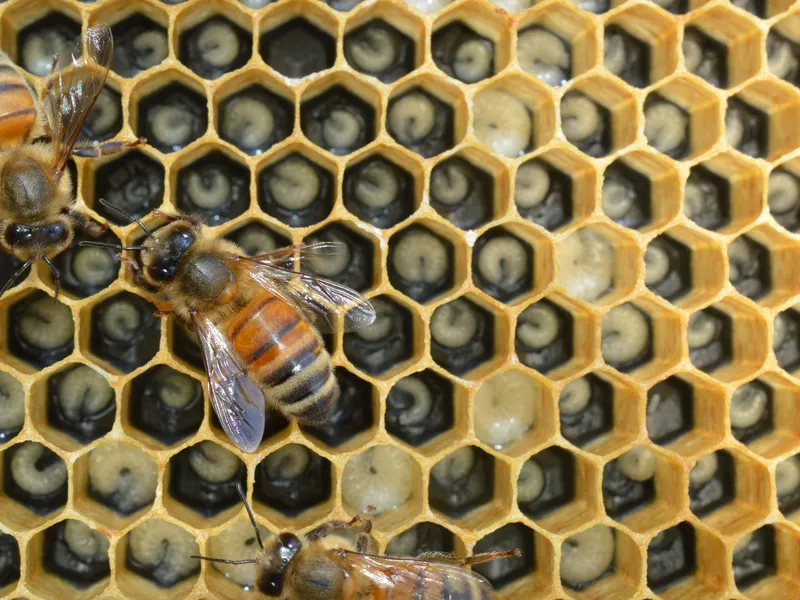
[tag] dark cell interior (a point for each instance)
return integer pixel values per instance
(462, 192)
(182, 109)
(54, 33)
(9, 560)
(671, 557)
(596, 419)
(636, 70)
(552, 355)
(291, 496)
(501, 573)
(634, 210)
(254, 238)
(425, 286)
(778, 43)
(749, 264)
(678, 280)
(480, 348)
(205, 497)
(464, 492)
(719, 350)
(378, 49)
(787, 345)
(713, 65)
(765, 423)
(440, 137)
(353, 413)
(680, 151)
(670, 410)
(754, 125)
(327, 118)
(105, 119)
(215, 188)
(422, 538)
(357, 273)
(558, 468)
(215, 47)
(377, 354)
(757, 559)
(784, 198)
(715, 493)
(134, 183)
(139, 44)
(298, 48)
(124, 331)
(378, 191)
(420, 407)
(9, 267)
(515, 276)
(79, 571)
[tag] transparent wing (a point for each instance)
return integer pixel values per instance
(238, 402)
(319, 300)
(415, 578)
(72, 91)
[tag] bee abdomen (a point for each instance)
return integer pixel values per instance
(442, 586)
(17, 109)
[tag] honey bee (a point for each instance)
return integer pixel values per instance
(256, 318)
(37, 138)
(332, 568)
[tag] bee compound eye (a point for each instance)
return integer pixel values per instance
(12, 406)
(81, 403)
(38, 477)
(162, 552)
(502, 122)
(121, 477)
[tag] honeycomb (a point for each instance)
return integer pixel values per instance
(577, 222)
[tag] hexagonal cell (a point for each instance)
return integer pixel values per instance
(556, 44)
(746, 128)
(640, 191)
(34, 484)
(463, 53)
(171, 572)
(381, 189)
(139, 44)
(164, 404)
(758, 120)
(513, 116)
(203, 479)
(9, 562)
(422, 264)
(386, 478)
(783, 49)
(12, 405)
(354, 414)
(783, 195)
(133, 183)
(85, 271)
(463, 336)
(171, 117)
(682, 119)
(503, 263)
(423, 121)
(296, 189)
(255, 238)
(422, 538)
(602, 559)
(105, 118)
(353, 266)
(508, 572)
(598, 116)
(40, 330)
(299, 46)
(337, 118)
(214, 46)
(124, 331)
(214, 187)
(378, 48)
(545, 336)
(685, 414)
(69, 559)
(291, 481)
(383, 347)
(764, 415)
(255, 118)
(639, 45)
(55, 33)
(554, 189)
(546, 482)
(722, 47)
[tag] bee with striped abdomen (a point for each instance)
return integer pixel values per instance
(325, 567)
(253, 317)
(37, 138)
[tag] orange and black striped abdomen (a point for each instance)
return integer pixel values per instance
(285, 356)
(437, 584)
(17, 108)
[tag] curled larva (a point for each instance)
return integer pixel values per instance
(175, 389)
(289, 462)
(545, 55)
(83, 392)
(585, 263)
(105, 118)
(454, 324)
(704, 470)
(575, 396)
(294, 184)
(88, 544)
(209, 188)
(163, 552)
(38, 50)
(454, 467)
(217, 43)
(618, 196)
(417, 395)
(94, 266)
(332, 264)
(538, 326)
(383, 324)
(735, 128)
(173, 126)
(585, 556)
(121, 320)
(373, 50)
(255, 239)
(692, 50)
(787, 476)
(420, 257)
(638, 464)
(450, 183)
(473, 60)
(46, 324)
(666, 127)
(342, 128)
(238, 540)
(615, 52)
(530, 483)
(411, 118)
(211, 462)
(124, 477)
(503, 262)
(580, 117)
(625, 334)
(12, 405)
(381, 477)
(377, 185)
(531, 184)
(748, 405)
(502, 122)
(37, 470)
(247, 122)
(150, 48)
(701, 330)
(657, 264)
(505, 409)
(784, 192)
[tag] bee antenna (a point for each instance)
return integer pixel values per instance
(250, 514)
(248, 561)
(112, 246)
(17, 274)
(122, 213)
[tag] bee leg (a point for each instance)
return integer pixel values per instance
(191, 219)
(90, 150)
(324, 530)
(477, 559)
(138, 278)
(56, 276)
(86, 225)
(17, 274)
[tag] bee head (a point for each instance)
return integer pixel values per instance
(279, 556)
(163, 253)
(25, 187)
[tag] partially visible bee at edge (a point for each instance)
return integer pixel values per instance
(325, 567)
(37, 138)
(253, 317)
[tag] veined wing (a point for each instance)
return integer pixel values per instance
(238, 402)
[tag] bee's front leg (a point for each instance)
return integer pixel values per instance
(86, 225)
(90, 150)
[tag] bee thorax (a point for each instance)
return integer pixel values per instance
(208, 278)
(26, 190)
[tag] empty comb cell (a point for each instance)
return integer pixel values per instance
(386, 343)
(754, 557)
(671, 557)
(297, 49)
(9, 560)
(786, 339)
(501, 573)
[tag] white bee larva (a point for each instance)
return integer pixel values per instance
(164, 551)
(175, 389)
(787, 476)
(575, 396)
(150, 48)
(247, 122)
(702, 329)
(412, 118)
(782, 56)
(585, 262)
(332, 264)
(538, 326)
(38, 50)
(420, 257)
(454, 467)
(175, 126)
(422, 401)
(83, 392)
(615, 55)
(123, 476)
(692, 51)
(381, 477)
(638, 464)
(531, 185)
(121, 320)
(218, 43)
(384, 322)
(289, 462)
(450, 183)
(238, 540)
(377, 185)
(580, 117)
(618, 197)
(372, 51)
(211, 462)
(657, 264)
(454, 324)
(704, 470)
(502, 122)
(255, 239)
(587, 555)
(341, 129)
(734, 126)
(208, 189)
(748, 405)
(94, 266)
(784, 192)
(625, 334)
(666, 127)
(12, 405)
(294, 183)
(33, 477)
(86, 543)
(504, 262)
(473, 60)
(505, 409)
(544, 54)
(105, 118)
(46, 324)
(531, 482)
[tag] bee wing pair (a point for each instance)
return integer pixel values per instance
(237, 401)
